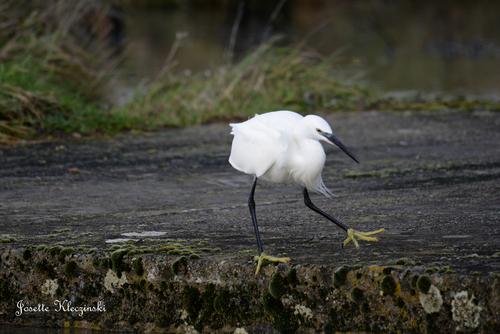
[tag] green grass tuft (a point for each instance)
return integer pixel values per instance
(268, 78)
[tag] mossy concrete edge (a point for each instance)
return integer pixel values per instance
(164, 293)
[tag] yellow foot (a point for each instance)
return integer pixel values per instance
(260, 259)
(361, 235)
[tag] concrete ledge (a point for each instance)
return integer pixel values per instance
(176, 294)
(72, 216)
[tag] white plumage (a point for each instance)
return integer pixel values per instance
(282, 146)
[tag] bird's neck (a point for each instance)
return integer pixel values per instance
(308, 154)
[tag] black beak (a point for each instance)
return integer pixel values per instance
(337, 142)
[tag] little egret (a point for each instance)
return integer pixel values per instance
(284, 146)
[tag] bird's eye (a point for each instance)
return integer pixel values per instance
(319, 130)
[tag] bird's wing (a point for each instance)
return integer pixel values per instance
(258, 143)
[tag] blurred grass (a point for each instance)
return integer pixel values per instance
(56, 64)
(268, 78)
(53, 66)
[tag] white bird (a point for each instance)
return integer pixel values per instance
(284, 146)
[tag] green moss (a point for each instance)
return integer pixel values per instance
(222, 302)
(40, 247)
(277, 286)
(387, 271)
(194, 256)
(209, 314)
(117, 264)
(413, 281)
(272, 306)
(133, 252)
(388, 285)
(357, 295)
(406, 261)
(163, 286)
(138, 267)
(92, 250)
(430, 270)
(44, 267)
(105, 263)
(67, 251)
(56, 250)
(424, 284)
(180, 264)
(286, 322)
(340, 276)
(292, 277)
(62, 230)
(27, 254)
(70, 268)
(299, 295)
(191, 302)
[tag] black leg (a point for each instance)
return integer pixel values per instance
(313, 207)
(251, 206)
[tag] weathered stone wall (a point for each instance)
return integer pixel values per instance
(177, 294)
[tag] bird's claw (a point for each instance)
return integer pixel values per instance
(260, 259)
(352, 235)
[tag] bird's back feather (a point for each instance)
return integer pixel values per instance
(259, 142)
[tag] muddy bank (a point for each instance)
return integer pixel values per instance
(429, 179)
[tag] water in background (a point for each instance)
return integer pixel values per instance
(450, 47)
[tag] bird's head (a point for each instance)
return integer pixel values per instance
(319, 129)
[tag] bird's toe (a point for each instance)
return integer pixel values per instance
(352, 235)
(260, 260)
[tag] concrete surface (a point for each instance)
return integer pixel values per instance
(429, 178)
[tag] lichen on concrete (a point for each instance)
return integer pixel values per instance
(465, 310)
(112, 281)
(303, 311)
(432, 300)
(50, 287)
